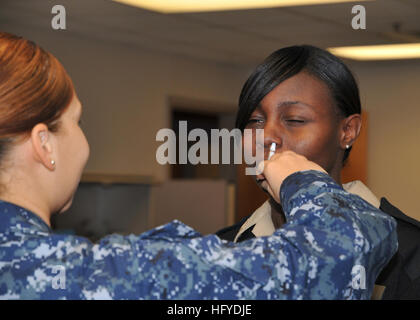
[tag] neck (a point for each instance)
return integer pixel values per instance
(336, 175)
(29, 204)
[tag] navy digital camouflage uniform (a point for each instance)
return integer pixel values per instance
(328, 232)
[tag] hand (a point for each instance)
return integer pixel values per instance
(280, 166)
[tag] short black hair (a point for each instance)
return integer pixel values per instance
(287, 62)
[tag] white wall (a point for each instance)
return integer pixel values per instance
(390, 92)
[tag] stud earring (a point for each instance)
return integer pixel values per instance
(52, 162)
(347, 146)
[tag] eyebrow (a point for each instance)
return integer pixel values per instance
(289, 103)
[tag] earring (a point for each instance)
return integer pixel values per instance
(52, 162)
(347, 146)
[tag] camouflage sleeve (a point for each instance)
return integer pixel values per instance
(329, 238)
(329, 232)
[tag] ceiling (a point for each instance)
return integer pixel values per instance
(231, 37)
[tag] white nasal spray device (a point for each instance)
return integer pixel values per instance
(272, 150)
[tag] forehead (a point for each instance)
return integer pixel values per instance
(303, 88)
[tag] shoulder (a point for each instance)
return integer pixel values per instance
(401, 276)
(388, 208)
(408, 230)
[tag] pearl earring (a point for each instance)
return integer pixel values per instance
(52, 162)
(347, 146)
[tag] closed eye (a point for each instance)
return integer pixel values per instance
(295, 122)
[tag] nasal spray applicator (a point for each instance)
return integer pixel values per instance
(272, 150)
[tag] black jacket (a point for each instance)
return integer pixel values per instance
(401, 277)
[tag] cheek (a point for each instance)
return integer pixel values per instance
(78, 149)
(307, 146)
(84, 147)
(317, 145)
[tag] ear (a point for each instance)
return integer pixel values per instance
(42, 146)
(350, 130)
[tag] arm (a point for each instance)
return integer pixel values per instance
(328, 232)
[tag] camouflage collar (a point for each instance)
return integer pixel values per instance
(12, 215)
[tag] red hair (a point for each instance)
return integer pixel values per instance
(34, 88)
